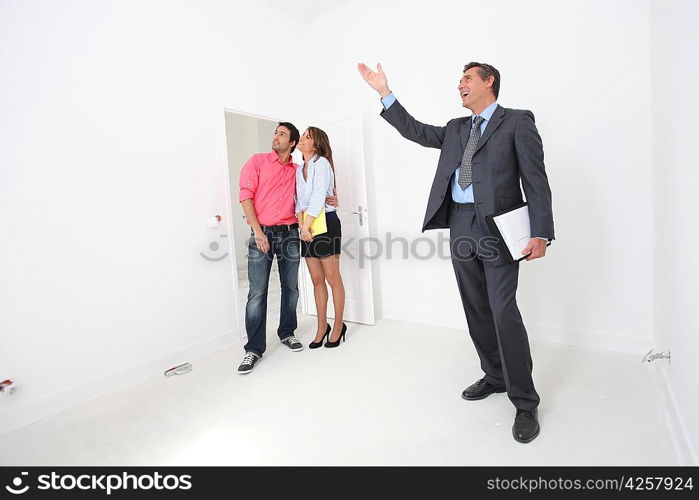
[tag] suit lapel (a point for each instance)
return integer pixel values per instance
(493, 124)
(464, 132)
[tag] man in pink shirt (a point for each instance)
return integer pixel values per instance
(267, 190)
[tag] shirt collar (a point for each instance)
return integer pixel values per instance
(487, 113)
(311, 161)
(273, 156)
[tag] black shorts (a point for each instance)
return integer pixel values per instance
(326, 244)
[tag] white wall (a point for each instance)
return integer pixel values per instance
(582, 67)
(675, 79)
(112, 153)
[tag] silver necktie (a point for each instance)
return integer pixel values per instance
(473, 138)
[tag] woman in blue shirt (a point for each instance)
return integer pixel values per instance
(315, 180)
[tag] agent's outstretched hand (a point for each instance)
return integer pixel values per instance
(376, 79)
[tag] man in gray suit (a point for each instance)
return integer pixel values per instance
(483, 159)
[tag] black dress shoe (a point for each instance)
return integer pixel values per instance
(480, 390)
(526, 426)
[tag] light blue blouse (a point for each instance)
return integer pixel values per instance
(311, 193)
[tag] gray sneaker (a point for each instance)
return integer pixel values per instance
(248, 363)
(292, 343)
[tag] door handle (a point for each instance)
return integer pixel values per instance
(360, 214)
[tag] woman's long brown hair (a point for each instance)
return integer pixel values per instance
(322, 145)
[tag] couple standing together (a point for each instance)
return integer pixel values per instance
(281, 200)
(486, 160)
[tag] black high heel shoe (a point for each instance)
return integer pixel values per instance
(340, 338)
(316, 345)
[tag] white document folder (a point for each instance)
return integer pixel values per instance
(512, 228)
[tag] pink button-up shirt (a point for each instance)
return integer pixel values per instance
(271, 186)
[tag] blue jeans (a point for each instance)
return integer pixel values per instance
(285, 246)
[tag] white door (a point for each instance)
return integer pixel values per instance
(348, 156)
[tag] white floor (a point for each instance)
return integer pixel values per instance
(390, 395)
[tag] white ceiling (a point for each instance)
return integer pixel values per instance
(305, 10)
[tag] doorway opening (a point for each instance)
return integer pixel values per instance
(247, 134)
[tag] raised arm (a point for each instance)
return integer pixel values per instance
(394, 113)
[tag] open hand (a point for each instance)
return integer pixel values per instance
(376, 79)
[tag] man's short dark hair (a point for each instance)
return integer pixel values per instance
(294, 133)
(485, 71)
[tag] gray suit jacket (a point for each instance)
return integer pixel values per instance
(510, 150)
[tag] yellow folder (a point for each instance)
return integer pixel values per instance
(319, 226)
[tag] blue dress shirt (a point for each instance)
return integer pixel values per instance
(311, 192)
(458, 194)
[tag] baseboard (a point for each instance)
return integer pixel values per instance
(457, 321)
(590, 339)
(605, 341)
(20, 413)
(681, 438)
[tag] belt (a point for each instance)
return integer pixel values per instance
(287, 227)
